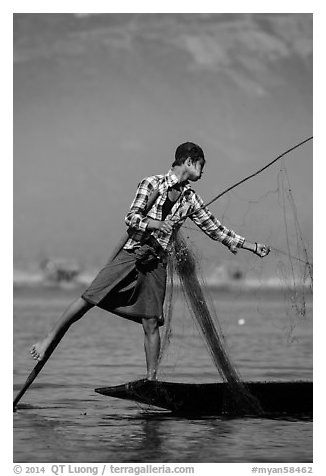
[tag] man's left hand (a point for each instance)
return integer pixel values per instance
(262, 250)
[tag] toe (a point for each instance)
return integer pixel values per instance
(35, 354)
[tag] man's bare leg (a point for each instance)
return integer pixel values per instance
(152, 344)
(73, 313)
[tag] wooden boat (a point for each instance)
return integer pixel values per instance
(276, 398)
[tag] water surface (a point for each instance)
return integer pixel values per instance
(62, 419)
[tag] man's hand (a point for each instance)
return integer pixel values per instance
(257, 248)
(163, 226)
(262, 250)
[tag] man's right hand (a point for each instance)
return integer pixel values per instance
(163, 226)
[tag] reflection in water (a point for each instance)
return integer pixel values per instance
(150, 441)
(161, 437)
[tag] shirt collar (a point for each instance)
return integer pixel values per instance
(171, 179)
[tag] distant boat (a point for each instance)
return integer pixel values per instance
(60, 270)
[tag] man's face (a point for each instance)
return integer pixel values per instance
(195, 170)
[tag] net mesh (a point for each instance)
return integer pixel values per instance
(290, 263)
(182, 263)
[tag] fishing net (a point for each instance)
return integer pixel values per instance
(289, 269)
(204, 315)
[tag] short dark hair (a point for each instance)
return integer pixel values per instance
(188, 149)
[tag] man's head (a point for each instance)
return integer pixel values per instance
(186, 150)
(191, 157)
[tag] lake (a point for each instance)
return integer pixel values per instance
(62, 419)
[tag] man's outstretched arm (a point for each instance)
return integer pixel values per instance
(211, 226)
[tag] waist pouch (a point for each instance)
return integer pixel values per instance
(149, 254)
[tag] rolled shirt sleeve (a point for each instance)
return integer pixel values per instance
(136, 217)
(206, 221)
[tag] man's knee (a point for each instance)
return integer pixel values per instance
(150, 325)
(80, 304)
(78, 309)
(85, 304)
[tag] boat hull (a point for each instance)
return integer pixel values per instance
(276, 398)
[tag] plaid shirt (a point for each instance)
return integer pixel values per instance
(188, 202)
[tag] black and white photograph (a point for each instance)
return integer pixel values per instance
(162, 241)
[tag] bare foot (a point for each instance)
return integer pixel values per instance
(39, 349)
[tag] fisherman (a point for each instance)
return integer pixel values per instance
(133, 284)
